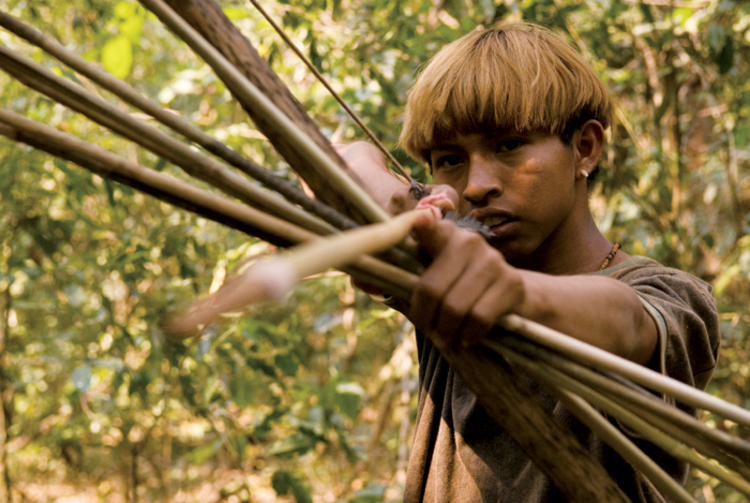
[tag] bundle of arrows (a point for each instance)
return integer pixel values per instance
(593, 384)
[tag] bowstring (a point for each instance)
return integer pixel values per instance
(416, 186)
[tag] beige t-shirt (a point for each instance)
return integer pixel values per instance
(459, 454)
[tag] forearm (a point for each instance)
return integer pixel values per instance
(600, 311)
(370, 166)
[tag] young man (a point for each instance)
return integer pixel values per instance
(512, 119)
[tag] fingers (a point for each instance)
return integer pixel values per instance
(437, 280)
(402, 200)
(466, 289)
(450, 200)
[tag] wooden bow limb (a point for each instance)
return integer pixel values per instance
(171, 190)
(512, 404)
(614, 438)
(720, 445)
(191, 161)
(124, 91)
(475, 373)
(111, 166)
(595, 357)
(547, 440)
(276, 113)
(194, 163)
(394, 162)
(557, 380)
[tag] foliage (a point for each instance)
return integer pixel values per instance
(308, 399)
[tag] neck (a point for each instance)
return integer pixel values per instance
(574, 248)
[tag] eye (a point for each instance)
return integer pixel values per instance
(508, 145)
(447, 161)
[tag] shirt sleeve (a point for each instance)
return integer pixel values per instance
(685, 313)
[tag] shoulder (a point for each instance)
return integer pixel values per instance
(643, 273)
(684, 310)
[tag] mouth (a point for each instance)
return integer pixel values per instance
(495, 221)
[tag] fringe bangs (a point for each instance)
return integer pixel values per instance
(514, 77)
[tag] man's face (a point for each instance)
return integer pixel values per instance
(521, 185)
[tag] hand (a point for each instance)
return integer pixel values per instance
(391, 191)
(466, 289)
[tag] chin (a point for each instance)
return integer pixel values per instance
(511, 251)
(517, 254)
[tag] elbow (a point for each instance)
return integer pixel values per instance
(640, 340)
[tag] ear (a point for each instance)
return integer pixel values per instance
(588, 142)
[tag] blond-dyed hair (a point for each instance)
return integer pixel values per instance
(513, 76)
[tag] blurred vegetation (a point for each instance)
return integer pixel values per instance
(311, 399)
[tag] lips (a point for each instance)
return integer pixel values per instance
(494, 221)
(493, 218)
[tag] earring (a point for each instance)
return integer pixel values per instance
(585, 173)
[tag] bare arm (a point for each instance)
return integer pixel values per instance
(469, 286)
(388, 190)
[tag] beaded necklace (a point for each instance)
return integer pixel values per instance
(610, 256)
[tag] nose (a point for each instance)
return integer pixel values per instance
(483, 183)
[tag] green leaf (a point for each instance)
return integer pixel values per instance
(131, 17)
(239, 444)
(285, 482)
(241, 391)
(648, 15)
(725, 59)
(725, 278)
(235, 13)
(314, 56)
(203, 453)
(133, 29)
(294, 444)
(373, 493)
(281, 481)
(349, 398)
(286, 364)
(345, 396)
(264, 428)
(62, 165)
(117, 56)
(125, 10)
(139, 384)
(681, 15)
(315, 424)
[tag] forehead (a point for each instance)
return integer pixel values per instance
(488, 138)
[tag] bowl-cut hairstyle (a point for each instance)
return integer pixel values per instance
(515, 76)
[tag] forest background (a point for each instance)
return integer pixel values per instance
(311, 399)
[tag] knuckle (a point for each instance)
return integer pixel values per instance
(402, 201)
(454, 308)
(473, 240)
(425, 289)
(483, 317)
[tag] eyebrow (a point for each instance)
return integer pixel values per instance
(445, 147)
